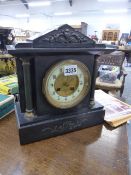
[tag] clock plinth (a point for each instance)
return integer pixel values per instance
(56, 76)
(38, 129)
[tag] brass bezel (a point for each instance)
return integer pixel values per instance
(77, 100)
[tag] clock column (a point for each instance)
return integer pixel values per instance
(27, 86)
(92, 100)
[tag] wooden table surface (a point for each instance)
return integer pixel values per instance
(91, 151)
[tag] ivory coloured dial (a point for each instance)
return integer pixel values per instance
(66, 84)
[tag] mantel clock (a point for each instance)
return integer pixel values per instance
(56, 76)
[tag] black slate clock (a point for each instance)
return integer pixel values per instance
(56, 76)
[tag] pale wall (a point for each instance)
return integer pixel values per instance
(95, 22)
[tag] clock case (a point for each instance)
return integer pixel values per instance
(36, 118)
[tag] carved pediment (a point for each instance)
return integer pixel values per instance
(64, 36)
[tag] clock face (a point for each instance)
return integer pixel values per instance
(66, 84)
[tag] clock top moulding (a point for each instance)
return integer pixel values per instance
(64, 37)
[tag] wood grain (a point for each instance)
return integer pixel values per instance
(92, 151)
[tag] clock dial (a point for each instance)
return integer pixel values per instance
(66, 84)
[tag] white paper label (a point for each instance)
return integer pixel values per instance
(70, 70)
